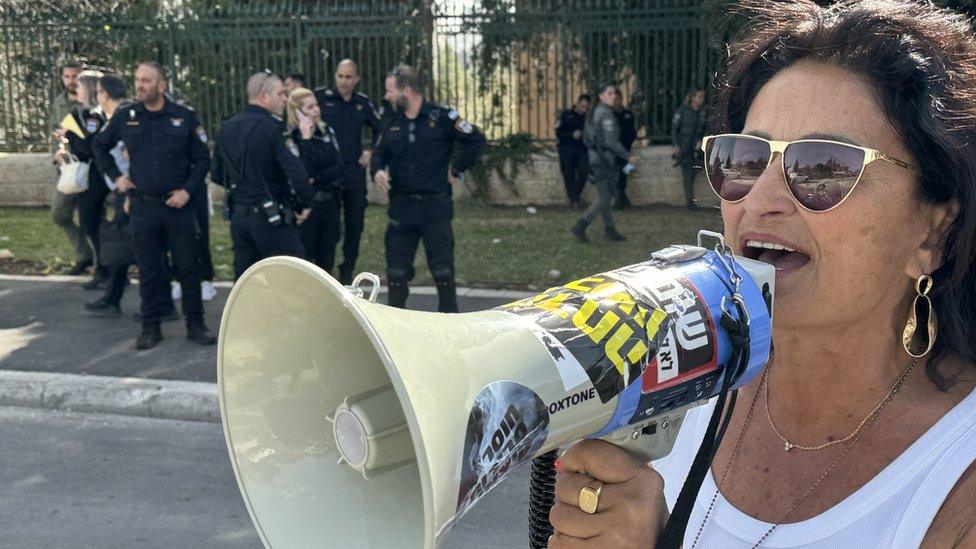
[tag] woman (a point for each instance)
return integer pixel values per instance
(687, 129)
(111, 93)
(91, 203)
(319, 152)
(846, 440)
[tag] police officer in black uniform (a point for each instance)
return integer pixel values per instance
(168, 162)
(348, 112)
(573, 162)
(322, 159)
(257, 162)
(412, 163)
(628, 134)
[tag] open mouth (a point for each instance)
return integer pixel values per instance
(778, 255)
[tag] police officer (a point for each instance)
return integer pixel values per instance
(412, 163)
(348, 112)
(602, 137)
(168, 161)
(573, 162)
(322, 159)
(257, 162)
(628, 134)
(687, 130)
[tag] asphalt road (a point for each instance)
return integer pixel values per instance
(43, 327)
(88, 480)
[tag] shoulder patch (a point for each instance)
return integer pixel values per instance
(328, 91)
(362, 95)
(453, 114)
(277, 118)
(464, 126)
(290, 143)
(201, 134)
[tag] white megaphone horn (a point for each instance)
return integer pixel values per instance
(352, 424)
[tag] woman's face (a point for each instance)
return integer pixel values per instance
(102, 98)
(82, 94)
(697, 100)
(310, 106)
(864, 254)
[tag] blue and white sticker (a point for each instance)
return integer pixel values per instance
(177, 122)
(201, 134)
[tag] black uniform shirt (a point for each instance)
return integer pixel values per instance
(628, 127)
(569, 122)
(348, 118)
(321, 157)
(167, 149)
(418, 152)
(263, 159)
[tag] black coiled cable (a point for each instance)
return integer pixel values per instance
(542, 494)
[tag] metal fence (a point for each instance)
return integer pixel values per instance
(510, 68)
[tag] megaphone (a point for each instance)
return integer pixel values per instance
(352, 424)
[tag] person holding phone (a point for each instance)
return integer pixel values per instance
(319, 152)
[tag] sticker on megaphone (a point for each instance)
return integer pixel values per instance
(646, 335)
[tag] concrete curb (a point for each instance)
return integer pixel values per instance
(163, 399)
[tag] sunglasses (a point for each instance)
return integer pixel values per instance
(819, 173)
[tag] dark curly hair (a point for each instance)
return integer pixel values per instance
(921, 61)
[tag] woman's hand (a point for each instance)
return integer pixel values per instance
(306, 126)
(631, 510)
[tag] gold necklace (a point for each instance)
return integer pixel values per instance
(856, 436)
(788, 445)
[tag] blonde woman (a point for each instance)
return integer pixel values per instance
(319, 152)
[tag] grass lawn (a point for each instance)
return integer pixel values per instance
(498, 247)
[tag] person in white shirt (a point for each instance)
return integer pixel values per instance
(843, 155)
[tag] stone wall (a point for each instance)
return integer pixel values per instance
(27, 179)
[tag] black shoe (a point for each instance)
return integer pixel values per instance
(92, 284)
(101, 307)
(694, 207)
(345, 276)
(149, 338)
(199, 333)
(169, 316)
(613, 236)
(80, 267)
(579, 231)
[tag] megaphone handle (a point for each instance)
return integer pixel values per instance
(542, 496)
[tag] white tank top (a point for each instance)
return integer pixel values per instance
(893, 509)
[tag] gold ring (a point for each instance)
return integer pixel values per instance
(589, 498)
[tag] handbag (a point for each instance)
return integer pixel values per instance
(116, 246)
(74, 176)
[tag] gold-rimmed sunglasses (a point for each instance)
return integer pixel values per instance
(819, 173)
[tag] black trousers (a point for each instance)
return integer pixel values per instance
(426, 218)
(574, 165)
(156, 228)
(91, 210)
(353, 219)
(117, 273)
(621, 194)
(255, 239)
(201, 207)
(320, 232)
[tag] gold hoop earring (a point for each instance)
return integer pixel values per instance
(917, 342)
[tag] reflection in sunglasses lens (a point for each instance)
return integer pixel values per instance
(734, 164)
(821, 175)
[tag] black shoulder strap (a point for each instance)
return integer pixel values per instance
(673, 534)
